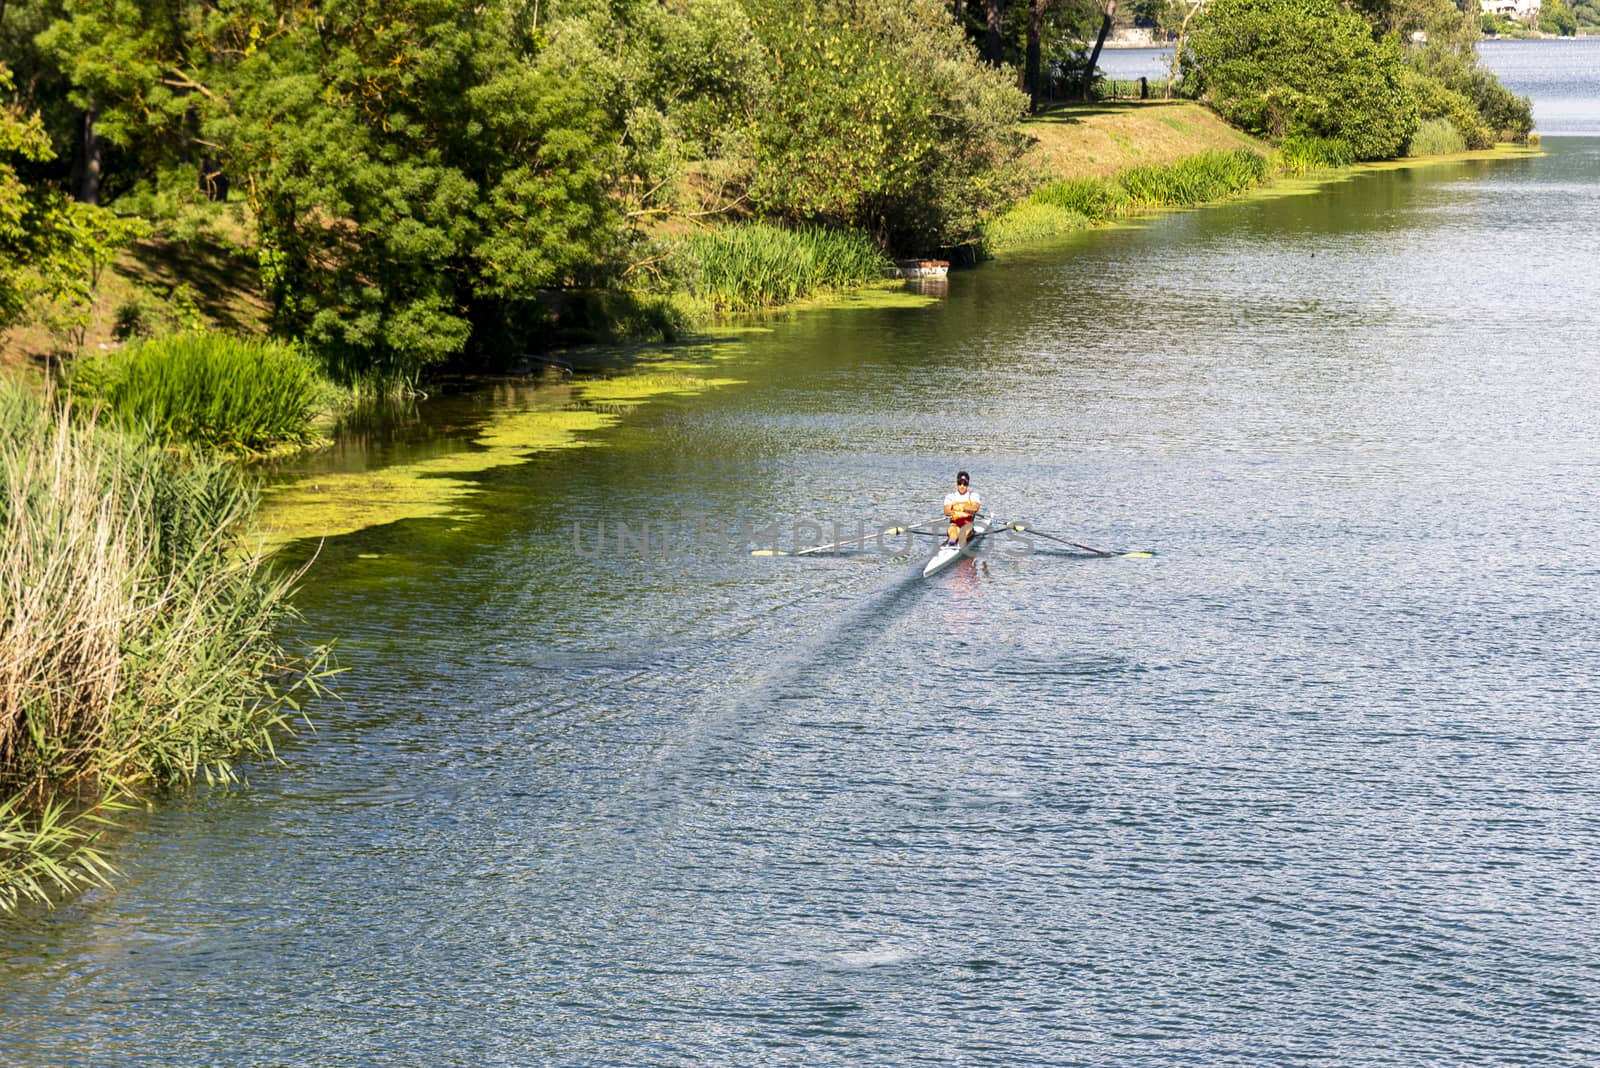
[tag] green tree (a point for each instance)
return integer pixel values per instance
(1302, 67)
(1556, 17)
(882, 117)
(419, 172)
(52, 251)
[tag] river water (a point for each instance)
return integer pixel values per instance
(1318, 783)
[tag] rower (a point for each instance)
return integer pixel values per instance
(961, 506)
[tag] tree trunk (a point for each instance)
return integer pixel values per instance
(1177, 51)
(88, 184)
(1099, 43)
(994, 45)
(1031, 72)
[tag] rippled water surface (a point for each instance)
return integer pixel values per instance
(1317, 784)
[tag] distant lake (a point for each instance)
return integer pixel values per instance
(1562, 76)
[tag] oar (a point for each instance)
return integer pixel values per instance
(846, 541)
(1019, 528)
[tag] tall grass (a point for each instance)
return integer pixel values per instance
(1130, 88)
(208, 390)
(137, 635)
(754, 264)
(1028, 222)
(1300, 154)
(1436, 137)
(1058, 207)
(1195, 180)
(1097, 199)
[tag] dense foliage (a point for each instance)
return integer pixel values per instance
(879, 118)
(430, 181)
(423, 175)
(1306, 67)
(1311, 68)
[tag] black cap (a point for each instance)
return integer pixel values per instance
(961, 478)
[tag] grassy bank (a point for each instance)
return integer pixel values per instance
(138, 649)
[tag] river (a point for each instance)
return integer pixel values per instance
(1317, 783)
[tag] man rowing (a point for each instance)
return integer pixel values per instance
(961, 506)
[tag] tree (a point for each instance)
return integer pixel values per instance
(52, 250)
(1302, 67)
(419, 172)
(994, 12)
(882, 117)
(1556, 17)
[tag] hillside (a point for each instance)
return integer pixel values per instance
(1099, 140)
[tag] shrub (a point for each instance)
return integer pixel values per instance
(753, 265)
(1284, 67)
(207, 390)
(1451, 84)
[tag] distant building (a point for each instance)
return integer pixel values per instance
(1526, 11)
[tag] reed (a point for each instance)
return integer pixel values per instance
(1436, 137)
(753, 265)
(1097, 199)
(1028, 222)
(1302, 154)
(208, 390)
(137, 635)
(1195, 180)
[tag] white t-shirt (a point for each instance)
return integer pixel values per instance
(970, 495)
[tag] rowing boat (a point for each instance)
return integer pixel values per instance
(949, 554)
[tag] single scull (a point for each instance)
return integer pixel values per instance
(949, 554)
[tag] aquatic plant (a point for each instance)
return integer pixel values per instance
(209, 390)
(1301, 153)
(137, 634)
(1097, 199)
(755, 264)
(1436, 137)
(1195, 180)
(1031, 221)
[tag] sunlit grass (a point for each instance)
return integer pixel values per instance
(208, 390)
(754, 265)
(1437, 137)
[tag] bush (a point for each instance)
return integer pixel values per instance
(1281, 68)
(1435, 100)
(207, 390)
(139, 632)
(1436, 137)
(1473, 98)
(754, 265)
(882, 118)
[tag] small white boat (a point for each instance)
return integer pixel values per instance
(949, 554)
(920, 269)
